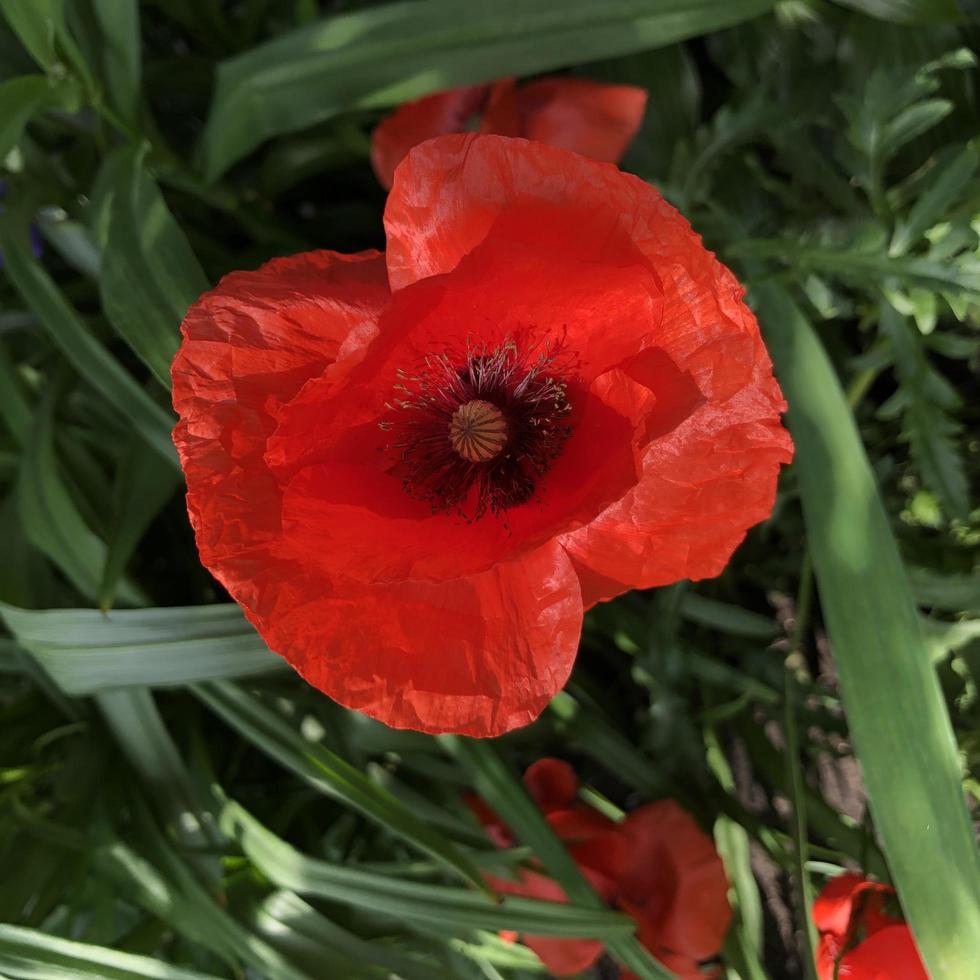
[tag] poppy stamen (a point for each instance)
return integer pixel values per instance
(477, 433)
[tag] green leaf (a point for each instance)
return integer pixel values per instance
(70, 334)
(310, 938)
(150, 274)
(119, 33)
(894, 704)
(28, 954)
(962, 276)
(144, 484)
(907, 11)
(20, 99)
(37, 23)
(508, 798)
(952, 593)
(327, 772)
(51, 519)
(945, 185)
(931, 431)
(411, 901)
(86, 651)
(399, 51)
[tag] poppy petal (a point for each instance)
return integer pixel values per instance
(562, 957)
(675, 884)
(552, 784)
(477, 656)
(889, 954)
(249, 345)
(414, 122)
(587, 117)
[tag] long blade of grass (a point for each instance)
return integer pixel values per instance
(386, 54)
(28, 954)
(86, 651)
(894, 704)
(68, 332)
(410, 901)
(328, 773)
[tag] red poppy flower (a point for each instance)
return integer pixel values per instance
(658, 866)
(591, 118)
(862, 936)
(415, 471)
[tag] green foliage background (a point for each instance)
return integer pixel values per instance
(174, 804)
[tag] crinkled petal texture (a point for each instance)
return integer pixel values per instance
(710, 441)
(421, 618)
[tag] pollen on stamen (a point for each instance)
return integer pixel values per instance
(475, 433)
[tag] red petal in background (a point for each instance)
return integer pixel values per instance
(414, 122)
(591, 118)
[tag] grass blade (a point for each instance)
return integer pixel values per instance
(894, 703)
(446, 908)
(27, 954)
(69, 333)
(330, 774)
(384, 55)
(86, 651)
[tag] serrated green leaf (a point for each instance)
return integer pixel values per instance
(388, 54)
(887, 681)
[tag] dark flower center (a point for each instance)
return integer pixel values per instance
(476, 433)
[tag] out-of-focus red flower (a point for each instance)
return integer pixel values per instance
(862, 936)
(591, 118)
(414, 471)
(658, 866)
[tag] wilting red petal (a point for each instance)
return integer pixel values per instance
(552, 784)
(591, 118)
(675, 883)
(415, 122)
(562, 957)
(889, 954)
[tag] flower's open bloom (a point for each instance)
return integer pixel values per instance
(862, 934)
(415, 471)
(592, 118)
(658, 866)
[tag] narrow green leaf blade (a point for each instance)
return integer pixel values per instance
(20, 99)
(894, 704)
(327, 772)
(907, 11)
(448, 908)
(66, 329)
(29, 954)
(385, 54)
(150, 275)
(86, 651)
